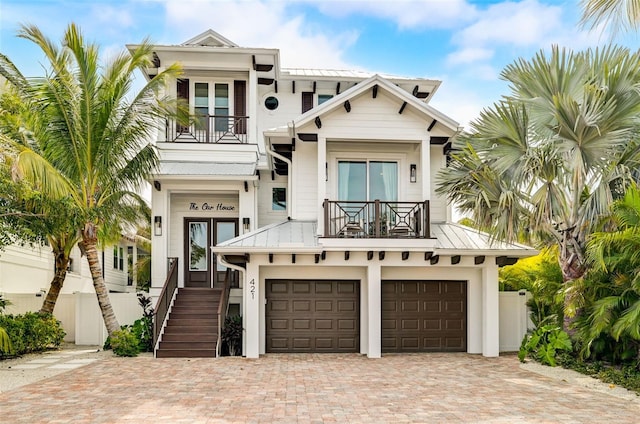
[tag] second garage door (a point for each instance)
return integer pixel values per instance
(312, 316)
(424, 316)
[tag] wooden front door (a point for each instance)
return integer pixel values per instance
(201, 269)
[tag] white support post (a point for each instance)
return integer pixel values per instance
(374, 309)
(251, 316)
(490, 310)
(322, 183)
(159, 244)
(424, 168)
(474, 314)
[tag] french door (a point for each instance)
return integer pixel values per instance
(201, 267)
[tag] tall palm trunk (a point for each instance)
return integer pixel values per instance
(89, 247)
(572, 264)
(61, 264)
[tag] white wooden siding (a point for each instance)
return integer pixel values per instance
(267, 216)
(438, 203)
(305, 181)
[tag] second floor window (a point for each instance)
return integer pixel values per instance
(367, 180)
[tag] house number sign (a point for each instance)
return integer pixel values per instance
(193, 206)
(252, 288)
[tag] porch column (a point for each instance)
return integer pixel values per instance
(490, 310)
(322, 181)
(159, 244)
(374, 309)
(251, 316)
(424, 168)
(474, 313)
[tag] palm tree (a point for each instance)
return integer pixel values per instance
(549, 159)
(615, 261)
(93, 139)
(615, 14)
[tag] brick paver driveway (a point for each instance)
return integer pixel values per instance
(425, 388)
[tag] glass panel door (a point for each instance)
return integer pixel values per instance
(383, 181)
(222, 107)
(352, 181)
(224, 230)
(198, 246)
(201, 104)
(197, 253)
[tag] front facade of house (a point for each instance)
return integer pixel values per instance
(306, 199)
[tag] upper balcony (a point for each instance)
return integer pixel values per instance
(215, 129)
(376, 219)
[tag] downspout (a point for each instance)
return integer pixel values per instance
(289, 183)
(244, 307)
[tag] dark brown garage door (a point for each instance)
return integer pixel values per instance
(313, 316)
(424, 316)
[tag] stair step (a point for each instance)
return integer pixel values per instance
(190, 329)
(187, 345)
(193, 321)
(187, 337)
(192, 315)
(186, 353)
(194, 309)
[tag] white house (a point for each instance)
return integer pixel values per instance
(310, 193)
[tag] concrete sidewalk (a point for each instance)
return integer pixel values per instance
(420, 388)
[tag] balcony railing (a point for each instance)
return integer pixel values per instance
(376, 219)
(209, 129)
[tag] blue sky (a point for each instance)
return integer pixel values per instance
(464, 43)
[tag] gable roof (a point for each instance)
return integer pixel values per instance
(337, 101)
(209, 38)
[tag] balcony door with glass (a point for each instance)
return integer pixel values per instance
(367, 181)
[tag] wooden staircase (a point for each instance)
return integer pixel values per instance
(192, 325)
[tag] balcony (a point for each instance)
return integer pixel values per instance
(209, 129)
(376, 219)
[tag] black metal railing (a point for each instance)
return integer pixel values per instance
(164, 301)
(376, 219)
(209, 129)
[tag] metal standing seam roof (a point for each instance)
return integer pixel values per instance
(206, 168)
(301, 235)
(288, 234)
(345, 73)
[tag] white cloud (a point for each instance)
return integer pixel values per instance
(407, 14)
(263, 24)
(469, 55)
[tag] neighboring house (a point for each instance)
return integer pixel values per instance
(317, 188)
(29, 270)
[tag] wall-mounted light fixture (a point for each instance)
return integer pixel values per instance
(246, 223)
(157, 225)
(157, 185)
(413, 173)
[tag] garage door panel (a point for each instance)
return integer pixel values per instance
(279, 305)
(347, 306)
(302, 287)
(427, 316)
(301, 306)
(324, 306)
(347, 287)
(313, 316)
(432, 306)
(301, 324)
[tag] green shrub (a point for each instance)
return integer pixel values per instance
(32, 332)
(232, 334)
(544, 343)
(124, 343)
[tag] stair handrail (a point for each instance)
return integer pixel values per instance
(164, 300)
(223, 308)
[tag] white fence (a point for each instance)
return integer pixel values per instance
(79, 313)
(514, 319)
